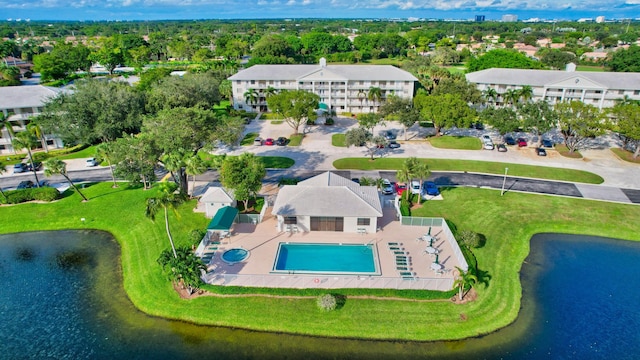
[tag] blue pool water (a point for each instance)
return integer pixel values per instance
(235, 255)
(326, 258)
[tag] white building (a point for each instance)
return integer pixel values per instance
(19, 104)
(343, 88)
(601, 89)
(215, 198)
(509, 18)
(328, 202)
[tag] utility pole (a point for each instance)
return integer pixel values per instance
(504, 182)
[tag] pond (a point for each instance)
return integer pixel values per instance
(61, 296)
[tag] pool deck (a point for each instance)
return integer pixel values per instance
(262, 241)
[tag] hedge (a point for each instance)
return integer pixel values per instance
(23, 195)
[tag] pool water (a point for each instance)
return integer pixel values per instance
(326, 258)
(235, 255)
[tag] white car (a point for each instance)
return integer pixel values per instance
(486, 139)
(415, 187)
(487, 146)
(387, 188)
(91, 162)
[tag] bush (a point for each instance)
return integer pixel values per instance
(288, 181)
(470, 239)
(196, 235)
(405, 207)
(42, 156)
(20, 196)
(329, 121)
(327, 302)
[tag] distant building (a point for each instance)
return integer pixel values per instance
(479, 18)
(342, 88)
(600, 19)
(600, 89)
(509, 18)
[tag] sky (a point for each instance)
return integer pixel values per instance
(283, 9)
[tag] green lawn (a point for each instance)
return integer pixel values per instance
(540, 172)
(590, 68)
(625, 155)
(248, 139)
(295, 139)
(456, 142)
(270, 162)
(501, 219)
(564, 151)
(338, 140)
(270, 116)
(84, 153)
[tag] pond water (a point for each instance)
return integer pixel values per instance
(61, 296)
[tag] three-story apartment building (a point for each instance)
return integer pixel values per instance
(342, 88)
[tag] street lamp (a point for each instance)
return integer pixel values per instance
(504, 181)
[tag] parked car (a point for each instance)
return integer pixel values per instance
(44, 183)
(477, 125)
(91, 162)
(282, 141)
(389, 135)
(257, 141)
(415, 187)
(27, 184)
(521, 142)
(502, 148)
(547, 143)
(486, 139)
(36, 164)
(487, 146)
(541, 152)
(431, 188)
(387, 188)
(400, 188)
(393, 144)
(509, 140)
(269, 142)
(19, 168)
(356, 180)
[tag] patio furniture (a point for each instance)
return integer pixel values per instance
(436, 267)
(431, 250)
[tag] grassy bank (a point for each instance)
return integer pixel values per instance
(270, 162)
(501, 219)
(456, 142)
(539, 172)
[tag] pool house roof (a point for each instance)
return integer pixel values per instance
(328, 194)
(224, 218)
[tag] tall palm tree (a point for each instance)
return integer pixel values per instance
(36, 130)
(4, 124)
(375, 94)
(55, 166)
(2, 170)
(166, 199)
(490, 95)
(105, 151)
(404, 176)
(251, 96)
(511, 96)
(422, 172)
(526, 93)
(194, 165)
(269, 92)
(26, 140)
(184, 267)
(361, 96)
(465, 279)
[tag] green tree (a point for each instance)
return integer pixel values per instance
(2, 171)
(194, 165)
(251, 96)
(501, 58)
(625, 60)
(135, 158)
(579, 122)
(503, 119)
(182, 267)
(108, 53)
(104, 151)
(537, 117)
(362, 137)
(374, 95)
(444, 111)
(272, 45)
(188, 91)
(627, 124)
(465, 280)
(295, 106)
(368, 121)
(35, 128)
(422, 172)
(243, 174)
(56, 166)
(490, 95)
(26, 140)
(226, 90)
(402, 110)
(166, 198)
(557, 59)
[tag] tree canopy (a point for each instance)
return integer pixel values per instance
(625, 60)
(243, 174)
(444, 111)
(501, 58)
(295, 106)
(579, 122)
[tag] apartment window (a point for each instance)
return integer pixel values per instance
(364, 221)
(253, 82)
(598, 91)
(290, 220)
(621, 92)
(637, 92)
(238, 82)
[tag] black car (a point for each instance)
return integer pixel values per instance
(36, 164)
(509, 140)
(477, 126)
(393, 144)
(547, 143)
(20, 168)
(389, 135)
(541, 152)
(356, 180)
(27, 184)
(281, 141)
(502, 148)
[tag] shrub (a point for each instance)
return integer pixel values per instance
(470, 239)
(24, 195)
(42, 156)
(405, 207)
(288, 181)
(329, 121)
(196, 235)
(327, 302)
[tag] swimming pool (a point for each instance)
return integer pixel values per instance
(316, 258)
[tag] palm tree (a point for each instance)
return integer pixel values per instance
(175, 163)
(36, 130)
(511, 96)
(269, 92)
(626, 100)
(361, 96)
(26, 140)
(490, 94)
(465, 279)
(4, 124)
(251, 96)
(184, 267)
(2, 170)
(166, 199)
(374, 94)
(404, 176)
(104, 151)
(194, 165)
(422, 172)
(526, 93)
(55, 166)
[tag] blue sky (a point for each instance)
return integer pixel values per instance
(254, 9)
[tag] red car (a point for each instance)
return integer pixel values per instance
(269, 141)
(521, 142)
(400, 188)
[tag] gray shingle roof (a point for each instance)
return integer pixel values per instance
(351, 72)
(216, 194)
(540, 78)
(328, 194)
(26, 96)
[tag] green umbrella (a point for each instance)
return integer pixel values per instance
(436, 261)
